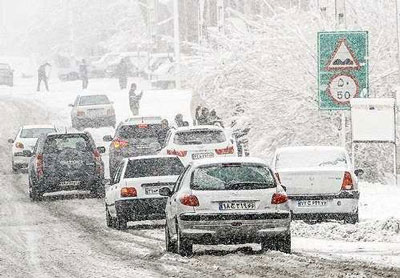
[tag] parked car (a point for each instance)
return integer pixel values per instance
(133, 194)
(92, 111)
(155, 61)
(134, 137)
(6, 75)
(193, 143)
(321, 182)
(25, 140)
(164, 76)
(227, 201)
(65, 161)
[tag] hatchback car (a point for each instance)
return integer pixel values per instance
(134, 137)
(26, 140)
(194, 143)
(6, 75)
(65, 161)
(321, 182)
(92, 111)
(226, 201)
(133, 194)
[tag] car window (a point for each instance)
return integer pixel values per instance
(140, 131)
(310, 158)
(35, 132)
(178, 183)
(233, 176)
(59, 143)
(151, 167)
(198, 137)
(76, 101)
(93, 100)
(117, 176)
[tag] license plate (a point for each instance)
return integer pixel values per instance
(202, 155)
(312, 203)
(96, 112)
(69, 183)
(151, 190)
(237, 205)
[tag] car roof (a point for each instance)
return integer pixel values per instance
(308, 148)
(68, 133)
(211, 161)
(88, 94)
(37, 126)
(199, 127)
(150, 157)
(142, 120)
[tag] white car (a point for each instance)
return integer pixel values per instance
(193, 143)
(133, 194)
(320, 182)
(92, 111)
(25, 140)
(227, 201)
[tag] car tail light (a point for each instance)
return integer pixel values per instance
(97, 158)
(189, 200)
(80, 113)
(347, 183)
(178, 153)
(278, 177)
(227, 150)
(19, 145)
(279, 198)
(119, 143)
(39, 165)
(128, 192)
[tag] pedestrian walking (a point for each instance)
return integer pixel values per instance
(42, 76)
(202, 115)
(122, 73)
(83, 74)
(162, 133)
(134, 99)
(179, 121)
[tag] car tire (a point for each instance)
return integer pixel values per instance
(184, 246)
(121, 223)
(170, 246)
(351, 218)
(109, 219)
(284, 243)
(34, 193)
(14, 169)
(268, 243)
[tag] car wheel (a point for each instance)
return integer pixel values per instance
(284, 243)
(14, 169)
(34, 193)
(121, 223)
(170, 246)
(109, 219)
(268, 243)
(184, 246)
(352, 218)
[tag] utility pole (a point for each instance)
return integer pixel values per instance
(177, 49)
(396, 93)
(220, 15)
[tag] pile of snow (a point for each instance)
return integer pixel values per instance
(372, 230)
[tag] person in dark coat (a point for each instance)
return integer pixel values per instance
(202, 115)
(162, 133)
(42, 76)
(179, 121)
(134, 99)
(122, 73)
(83, 74)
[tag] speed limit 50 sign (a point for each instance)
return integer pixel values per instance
(342, 68)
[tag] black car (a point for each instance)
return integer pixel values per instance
(65, 161)
(6, 75)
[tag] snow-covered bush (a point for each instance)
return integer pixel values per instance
(270, 68)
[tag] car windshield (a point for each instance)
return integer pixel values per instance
(35, 132)
(198, 137)
(168, 166)
(55, 144)
(235, 176)
(310, 158)
(140, 131)
(93, 100)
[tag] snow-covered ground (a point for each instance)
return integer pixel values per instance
(68, 237)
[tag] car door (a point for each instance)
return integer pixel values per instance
(112, 191)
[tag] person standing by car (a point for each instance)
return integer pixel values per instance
(162, 133)
(83, 74)
(42, 76)
(122, 73)
(134, 99)
(202, 115)
(179, 121)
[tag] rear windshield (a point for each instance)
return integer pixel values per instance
(139, 131)
(154, 167)
(310, 158)
(198, 137)
(232, 177)
(55, 144)
(93, 100)
(35, 132)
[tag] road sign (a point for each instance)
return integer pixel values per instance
(342, 68)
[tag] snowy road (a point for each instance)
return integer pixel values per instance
(68, 238)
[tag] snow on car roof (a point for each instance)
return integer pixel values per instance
(150, 156)
(199, 127)
(37, 126)
(306, 148)
(143, 120)
(210, 161)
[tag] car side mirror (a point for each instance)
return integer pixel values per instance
(101, 149)
(10, 141)
(358, 172)
(27, 153)
(165, 191)
(70, 105)
(107, 138)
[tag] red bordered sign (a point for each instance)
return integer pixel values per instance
(342, 88)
